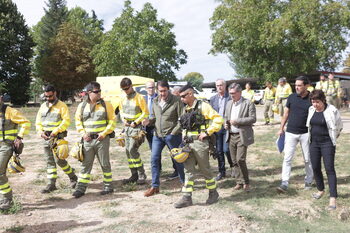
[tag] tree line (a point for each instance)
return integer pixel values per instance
(264, 39)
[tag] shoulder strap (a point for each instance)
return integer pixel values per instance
(3, 111)
(82, 111)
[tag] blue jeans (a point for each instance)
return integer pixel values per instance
(158, 143)
(222, 150)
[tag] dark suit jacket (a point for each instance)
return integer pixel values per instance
(214, 101)
(246, 119)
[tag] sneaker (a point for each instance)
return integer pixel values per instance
(49, 188)
(6, 204)
(173, 176)
(78, 194)
(106, 191)
(220, 176)
(282, 188)
(308, 186)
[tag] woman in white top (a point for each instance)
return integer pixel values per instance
(324, 124)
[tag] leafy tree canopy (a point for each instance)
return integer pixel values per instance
(15, 53)
(268, 39)
(195, 78)
(139, 44)
(69, 67)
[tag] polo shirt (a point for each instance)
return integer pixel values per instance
(298, 111)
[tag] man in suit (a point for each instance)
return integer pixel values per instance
(151, 94)
(240, 115)
(218, 102)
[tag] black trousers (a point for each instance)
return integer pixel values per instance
(323, 147)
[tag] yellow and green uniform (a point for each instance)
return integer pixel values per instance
(9, 126)
(282, 93)
(249, 95)
(333, 92)
(269, 98)
(54, 118)
(95, 120)
(133, 108)
(199, 154)
(322, 85)
(310, 88)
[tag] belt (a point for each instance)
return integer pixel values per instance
(234, 133)
(270, 99)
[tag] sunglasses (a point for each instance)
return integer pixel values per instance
(184, 96)
(96, 92)
(126, 88)
(48, 96)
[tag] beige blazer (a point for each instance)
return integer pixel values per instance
(246, 119)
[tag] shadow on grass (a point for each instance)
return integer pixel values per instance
(58, 226)
(71, 203)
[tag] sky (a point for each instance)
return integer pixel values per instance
(191, 27)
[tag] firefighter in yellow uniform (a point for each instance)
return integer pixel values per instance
(10, 120)
(133, 110)
(95, 121)
(283, 90)
(248, 93)
(322, 84)
(269, 98)
(333, 91)
(207, 122)
(52, 121)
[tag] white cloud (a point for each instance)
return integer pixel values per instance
(191, 27)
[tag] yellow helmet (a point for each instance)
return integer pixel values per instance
(180, 154)
(77, 151)
(60, 149)
(120, 140)
(275, 109)
(14, 165)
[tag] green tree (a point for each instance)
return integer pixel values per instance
(69, 67)
(347, 64)
(139, 44)
(195, 78)
(268, 39)
(45, 30)
(15, 53)
(90, 26)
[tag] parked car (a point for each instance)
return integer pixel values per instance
(259, 96)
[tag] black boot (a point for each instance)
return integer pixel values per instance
(49, 188)
(184, 202)
(132, 179)
(73, 181)
(213, 197)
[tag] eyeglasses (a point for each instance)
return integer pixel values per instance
(233, 93)
(150, 87)
(48, 96)
(126, 88)
(96, 92)
(184, 96)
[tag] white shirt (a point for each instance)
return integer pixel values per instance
(236, 107)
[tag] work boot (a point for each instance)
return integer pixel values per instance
(213, 197)
(78, 194)
(183, 202)
(49, 188)
(132, 179)
(142, 178)
(107, 190)
(73, 181)
(6, 204)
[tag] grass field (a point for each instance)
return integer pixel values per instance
(261, 210)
